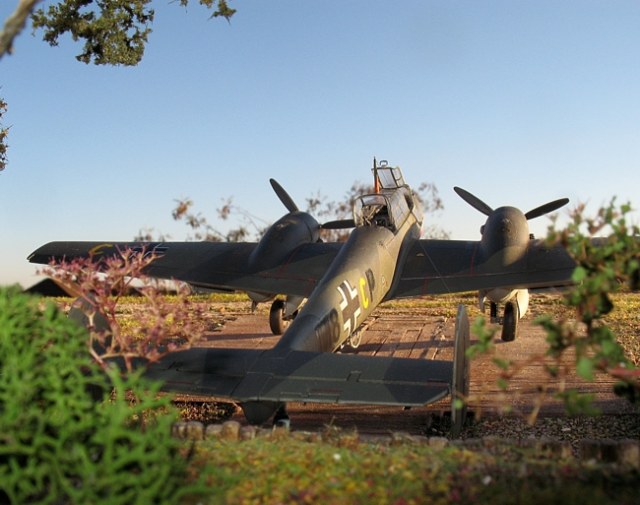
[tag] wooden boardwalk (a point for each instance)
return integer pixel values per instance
(409, 334)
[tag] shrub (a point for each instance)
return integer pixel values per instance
(100, 280)
(64, 437)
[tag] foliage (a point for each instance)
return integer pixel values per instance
(100, 281)
(344, 469)
(604, 266)
(4, 132)
(203, 230)
(57, 443)
(114, 32)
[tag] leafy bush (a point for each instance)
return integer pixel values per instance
(604, 266)
(64, 437)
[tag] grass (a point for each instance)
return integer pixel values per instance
(338, 468)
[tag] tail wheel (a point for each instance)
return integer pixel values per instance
(277, 323)
(510, 322)
(355, 339)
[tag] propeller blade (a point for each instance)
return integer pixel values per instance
(474, 201)
(284, 197)
(338, 224)
(546, 208)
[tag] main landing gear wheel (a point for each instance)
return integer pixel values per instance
(277, 322)
(460, 379)
(281, 417)
(258, 412)
(510, 322)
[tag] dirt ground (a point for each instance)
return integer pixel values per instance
(412, 333)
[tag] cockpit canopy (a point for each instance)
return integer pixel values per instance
(371, 210)
(390, 177)
(391, 206)
(389, 209)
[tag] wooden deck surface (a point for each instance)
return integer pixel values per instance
(409, 334)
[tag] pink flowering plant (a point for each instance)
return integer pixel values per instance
(166, 322)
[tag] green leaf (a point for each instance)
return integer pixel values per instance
(584, 368)
(503, 364)
(579, 274)
(503, 384)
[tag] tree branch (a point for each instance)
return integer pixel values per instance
(15, 24)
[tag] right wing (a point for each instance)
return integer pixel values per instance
(451, 266)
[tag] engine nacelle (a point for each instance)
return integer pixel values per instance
(505, 235)
(282, 238)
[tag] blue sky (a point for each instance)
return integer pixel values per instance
(519, 102)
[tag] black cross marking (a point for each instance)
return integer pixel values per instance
(350, 306)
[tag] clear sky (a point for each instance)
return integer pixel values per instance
(519, 102)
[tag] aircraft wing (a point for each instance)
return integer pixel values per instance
(215, 265)
(450, 266)
(299, 376)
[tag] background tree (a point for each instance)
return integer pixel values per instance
(3, 136)
(251, 227)
(114, 32)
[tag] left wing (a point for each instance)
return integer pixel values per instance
(450, 266)
(216, 265)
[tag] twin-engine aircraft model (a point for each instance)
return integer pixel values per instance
(384, 258)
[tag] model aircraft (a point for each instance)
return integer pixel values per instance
(384, 258)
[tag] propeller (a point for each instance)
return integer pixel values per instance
(479, 205)
(287, 201)
(338, 224)
(474, 201)
(284, 197)
(546, 208)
